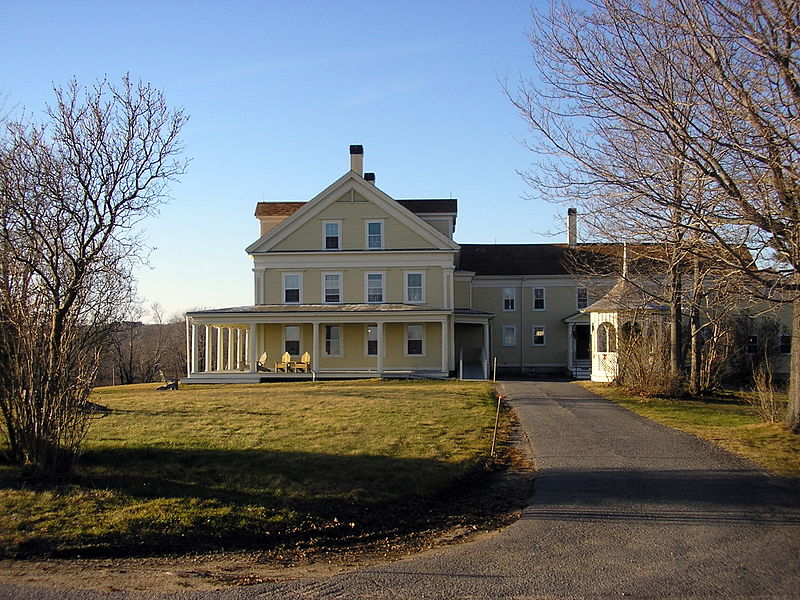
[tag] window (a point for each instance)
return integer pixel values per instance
(332, 287)
(785, 342)
(291, 340)
(374, 235)
(509, 299)
(332, 234)
(372, 339)
(751, 344)
(581, 298)
(606, 338)
(333, 343)
(291, 288)
(509, 335)
(538, 298)
(414, 341)
(538, 335)
(414, 288)
(374, 287)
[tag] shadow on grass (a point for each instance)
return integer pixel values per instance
(153, 500)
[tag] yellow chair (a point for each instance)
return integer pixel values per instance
(303, 365)
(283, 366)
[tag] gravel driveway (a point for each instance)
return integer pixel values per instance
(623, 508)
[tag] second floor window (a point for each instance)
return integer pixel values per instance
(509, 299)
(332, 235)
(291, 288)
(374, 287)
(374, 235)
(582, 298)
(538, 298)
(414, 288)
(333, 291)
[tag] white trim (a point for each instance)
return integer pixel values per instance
(533, 336)
(325, 340)
(383, 287)
(421, 273)
(299, 339)
(578, 297)
(323, 292)
(299, 288)
(406, 340)
(338, 223)
(367, 223)
(513, 299)
(348, 183)
(366, 339)
(513, 329)
(361, 259)
(544, 299)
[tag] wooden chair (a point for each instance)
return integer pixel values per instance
(262, 362)
(283, 366)
(303, 365)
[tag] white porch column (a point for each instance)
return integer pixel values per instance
(445, 339)
(488, 350)
(220, 340)
(231, 349)
(381, 350)
(315, 353)
(252, 349)
(189, 332)
(238, 348)
(207, 365)
(195, 363)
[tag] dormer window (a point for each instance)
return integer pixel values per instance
(333, 235)
(374, 235)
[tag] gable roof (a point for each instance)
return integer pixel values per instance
(350, 181)
(277, 209)
(420, 206)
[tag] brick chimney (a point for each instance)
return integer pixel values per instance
(357, 159)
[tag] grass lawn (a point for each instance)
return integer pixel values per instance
(243, 466)
(727, 420)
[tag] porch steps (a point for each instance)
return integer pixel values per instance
(582, 369)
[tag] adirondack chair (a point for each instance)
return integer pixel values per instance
(303, 365)
(262, 362)
(283, 366)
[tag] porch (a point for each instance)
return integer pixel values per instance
(248, 344)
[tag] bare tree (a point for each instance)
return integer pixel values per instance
(682, 112)
(72, 193)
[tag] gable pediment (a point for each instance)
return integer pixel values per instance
(351, 201)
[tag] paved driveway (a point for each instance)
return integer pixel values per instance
(623, 508)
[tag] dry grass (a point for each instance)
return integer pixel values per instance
(729, 421)
(245, 465)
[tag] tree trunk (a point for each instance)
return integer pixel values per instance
(793, 408)
(695, 347)
(676, 323)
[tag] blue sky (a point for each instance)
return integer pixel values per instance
(276, 92)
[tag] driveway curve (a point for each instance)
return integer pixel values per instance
(623, 508)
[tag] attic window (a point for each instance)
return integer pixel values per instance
(332, 234)
(374, 235)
